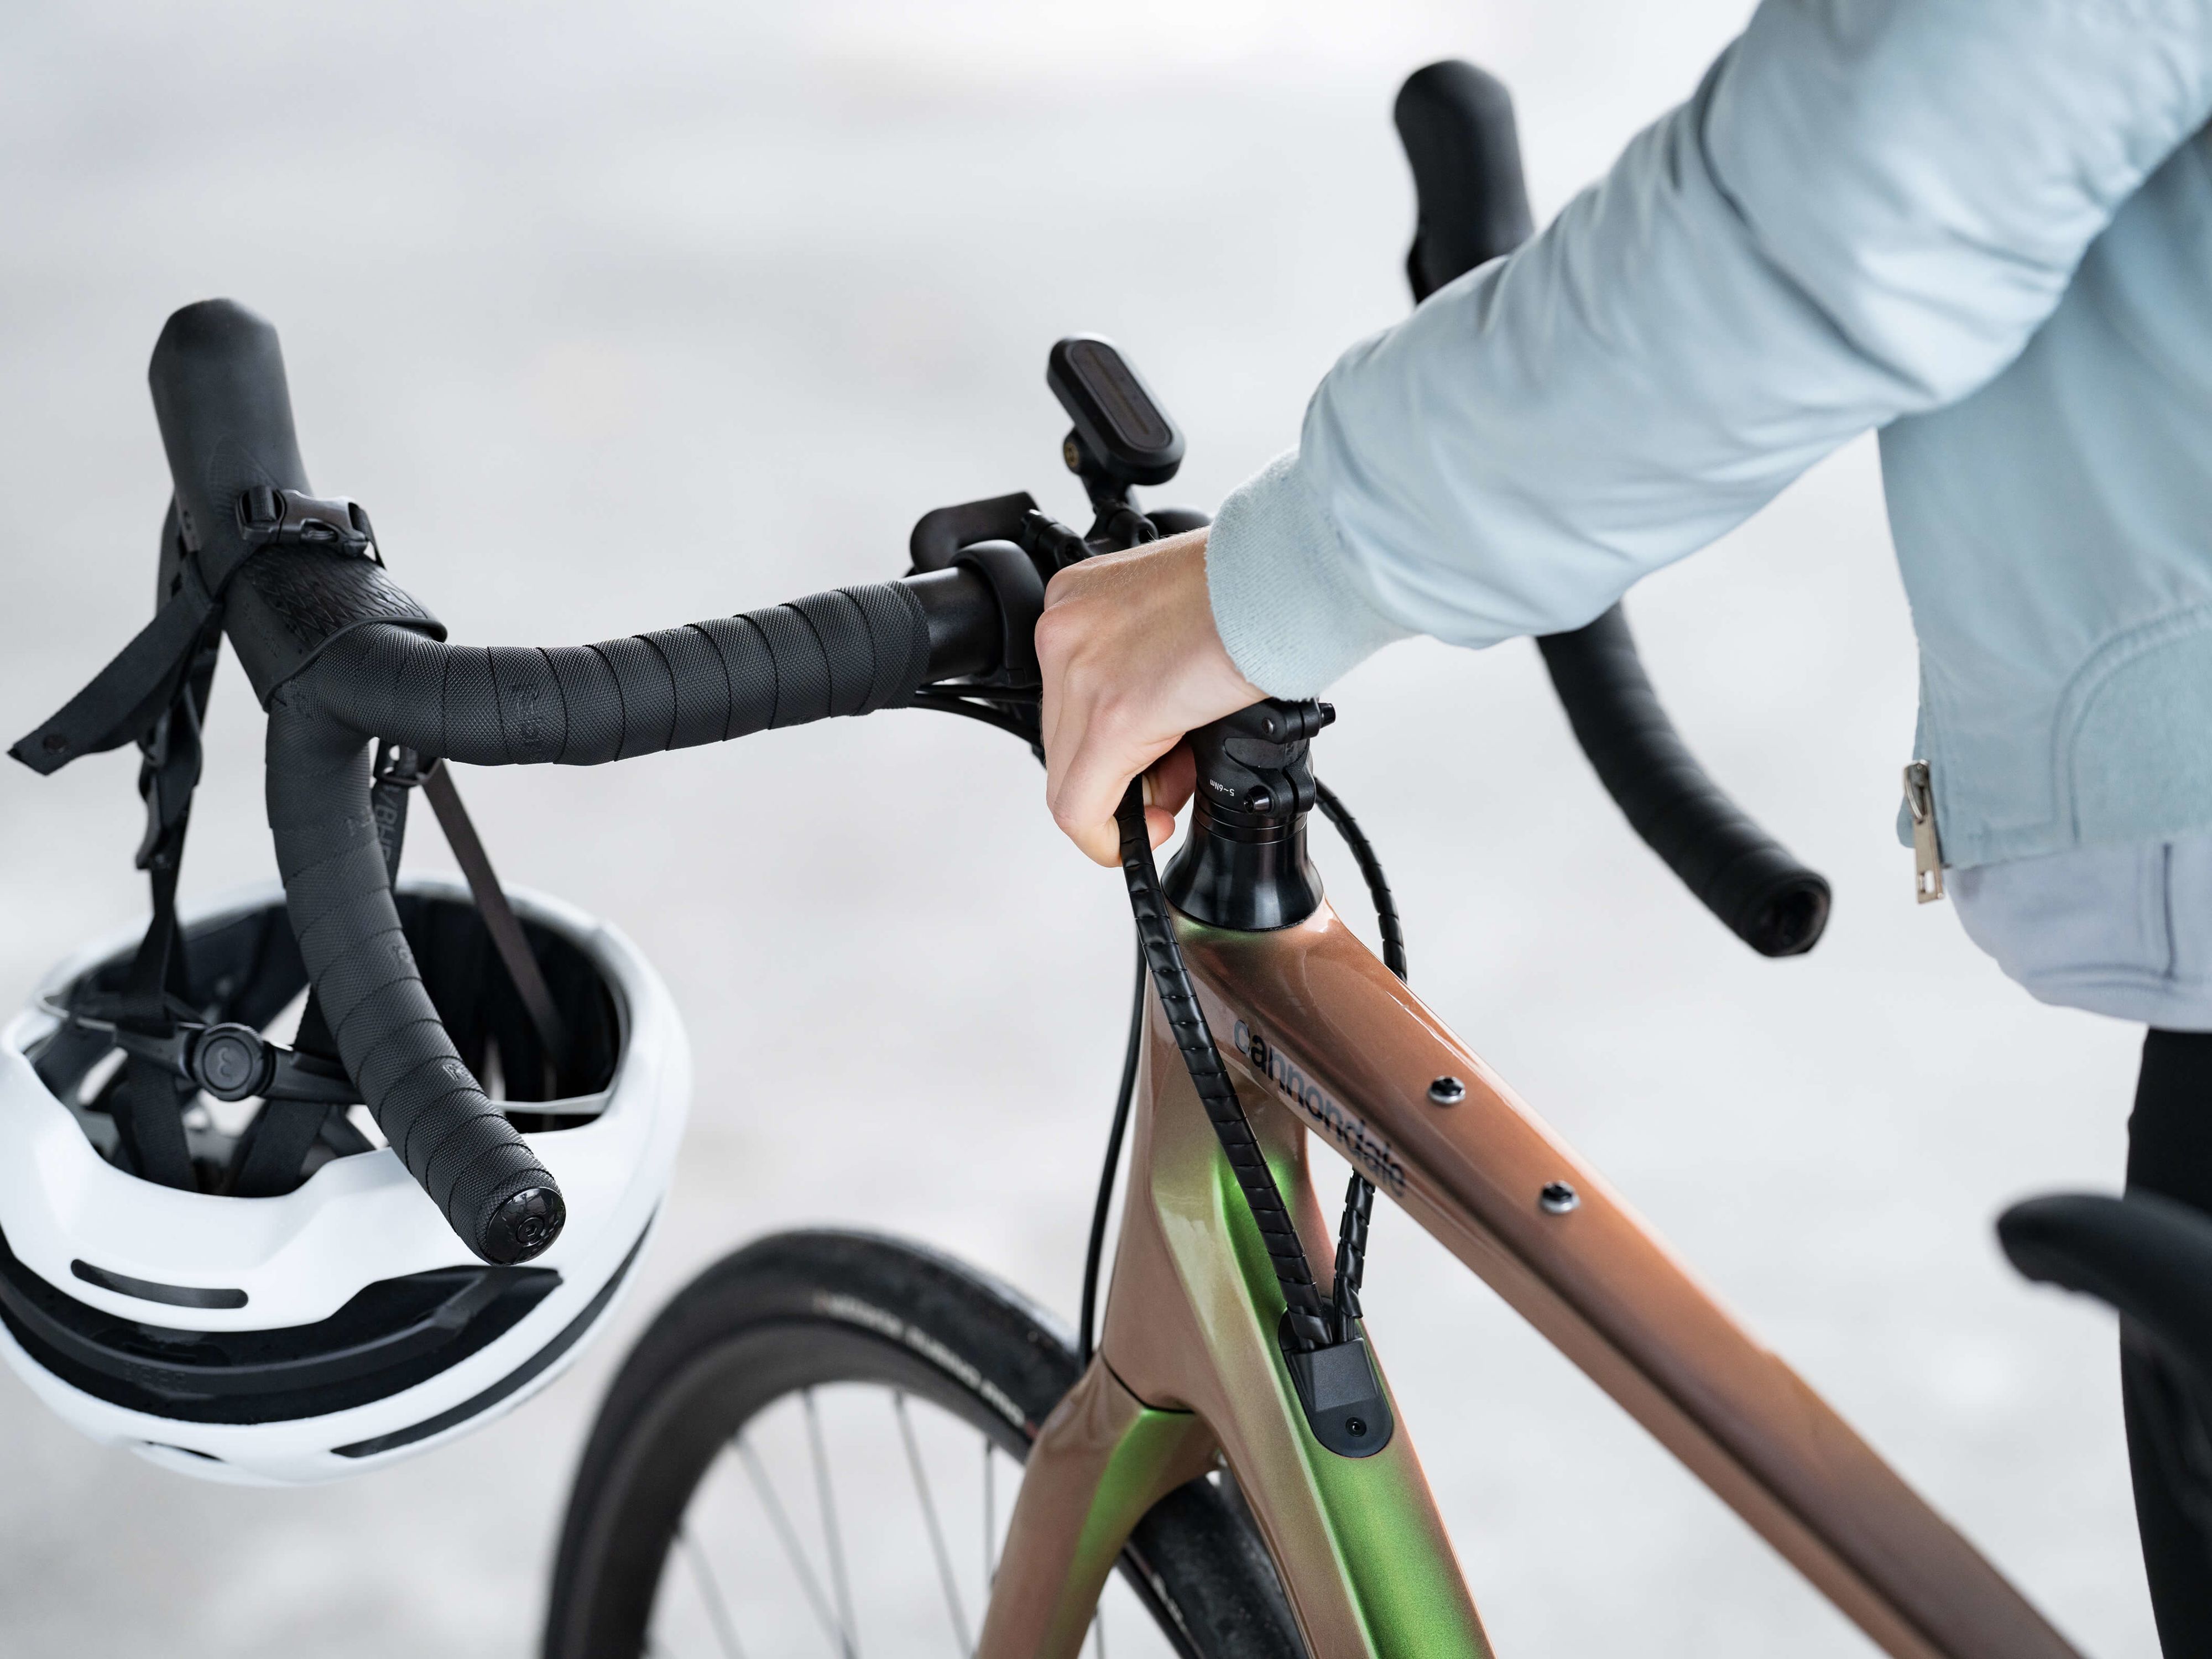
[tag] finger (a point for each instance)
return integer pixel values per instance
(1060, 716)
(1090, 792)
(1058, 731)
(1090, 789)
(1160, 825)
(1100, 843)
(1172, 778)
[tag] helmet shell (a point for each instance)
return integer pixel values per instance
(103, 1275)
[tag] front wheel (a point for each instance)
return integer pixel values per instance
(815, 1448)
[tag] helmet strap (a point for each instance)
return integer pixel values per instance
(148, 1105)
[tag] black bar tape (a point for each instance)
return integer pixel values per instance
(471, 700)
(749, 670)
(802, 671)
(841, 630)
(703, 686)
(845, 653)
(883, 609)
(415, 678)
(1457, 126)
(530, 703)
(648, 695)
(476, 1169)
(849, 652)
(1741, 873)
(591, 707)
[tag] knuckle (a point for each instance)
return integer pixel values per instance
(1055, 633)
(1119, 714)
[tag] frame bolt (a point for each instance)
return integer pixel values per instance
(1447, 1091)
(1557, 1198)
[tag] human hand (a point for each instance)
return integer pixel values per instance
(1131, 662)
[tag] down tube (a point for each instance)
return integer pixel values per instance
(1328, 1033)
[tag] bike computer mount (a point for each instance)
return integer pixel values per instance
(1121, 435)
(1121, 438)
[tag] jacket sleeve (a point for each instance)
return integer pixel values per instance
(1866, 210)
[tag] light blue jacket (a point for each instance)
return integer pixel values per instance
(1982, 226)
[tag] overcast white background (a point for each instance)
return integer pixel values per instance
(616, 316)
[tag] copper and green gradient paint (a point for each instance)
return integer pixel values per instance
(1189, 1372)
(1190, 1377)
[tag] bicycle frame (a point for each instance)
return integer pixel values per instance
(1322, 1038)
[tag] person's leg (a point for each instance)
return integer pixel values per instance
(2170, 1153)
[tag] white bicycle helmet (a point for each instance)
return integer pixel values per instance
(340, 1324)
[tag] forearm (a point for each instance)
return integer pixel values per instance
(1866, 210)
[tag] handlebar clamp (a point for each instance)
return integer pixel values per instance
(1245, 864)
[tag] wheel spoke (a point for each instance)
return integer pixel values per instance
(702, 1457)
(718, 1611)
(838, 1579)
(766, 1491)
(936, 1532)
(990, 1523)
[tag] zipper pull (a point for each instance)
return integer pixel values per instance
(1927, 854)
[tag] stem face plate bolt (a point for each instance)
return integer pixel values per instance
(1557, 1198)
(1447, 1091)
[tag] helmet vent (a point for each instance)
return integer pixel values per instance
(150, 1289)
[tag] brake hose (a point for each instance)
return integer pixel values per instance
(1124, 1096)
(1304, 1312)
(1371, 871)
(1360, 1194)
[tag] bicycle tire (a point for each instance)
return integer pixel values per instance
(801, 1309)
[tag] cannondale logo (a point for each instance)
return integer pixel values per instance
(1353, 1138)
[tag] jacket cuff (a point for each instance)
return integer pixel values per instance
(1288, 600)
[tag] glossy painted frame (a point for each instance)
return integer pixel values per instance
(1322, 1038)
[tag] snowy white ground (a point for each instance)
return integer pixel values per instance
(616, 316)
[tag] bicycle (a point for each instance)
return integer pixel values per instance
(1229, 1440)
